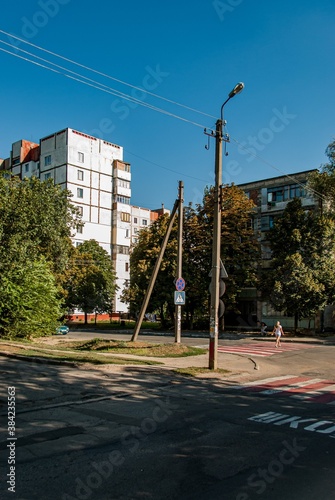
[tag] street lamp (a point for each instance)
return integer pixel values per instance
(216, 254)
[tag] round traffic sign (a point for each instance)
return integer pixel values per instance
(180, 284)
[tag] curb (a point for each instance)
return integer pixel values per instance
(38, 359)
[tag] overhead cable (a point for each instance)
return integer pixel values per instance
(104, 74)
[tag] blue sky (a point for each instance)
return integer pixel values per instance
(189, 52)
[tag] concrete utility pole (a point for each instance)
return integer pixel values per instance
(216, 249)
(154, 273)
(216, 253)
(179, 258)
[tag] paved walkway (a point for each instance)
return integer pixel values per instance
(242, 366)
(237, 368)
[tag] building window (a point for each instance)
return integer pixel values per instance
(122, 199)
(135, 220)
(80, 211)
(123, 184)
(80, 157)
(80, 175)
(47, 176)
(26, 167)
(126, 266)
(276, 194)
(80, 229)
(127, 233)
(47, 161)
(267, 222)
(297, 191)
(144, 222)
(122, 249)
(80, 193)
(125, 217)
(135, 230)
(285, 193)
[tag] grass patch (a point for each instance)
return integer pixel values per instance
(101, 351)
(137, 348)
(195, 371)
(93, 358)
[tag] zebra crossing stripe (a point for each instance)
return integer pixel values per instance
(316, 387)
(303, 388)
(262, 348)
(299, 386)
(326, 397)
(277, 385)
(256, 383)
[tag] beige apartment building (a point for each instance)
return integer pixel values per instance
(271, 197)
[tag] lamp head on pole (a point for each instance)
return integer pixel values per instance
(236, 90)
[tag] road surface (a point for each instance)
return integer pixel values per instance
(147, 433)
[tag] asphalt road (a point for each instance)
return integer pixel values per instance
(147, 433)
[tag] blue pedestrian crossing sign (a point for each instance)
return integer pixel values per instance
(179, 298)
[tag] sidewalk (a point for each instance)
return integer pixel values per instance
(237, 367)
(240, 367)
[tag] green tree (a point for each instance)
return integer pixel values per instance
(196, 267)
(29, 299)
(239, 245)
(239, 252)
(302, 244)
(142, 261)
(323, 181)
(40, 214)
(297, 289)
(91, 280)
(36, 220)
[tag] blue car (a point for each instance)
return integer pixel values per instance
(62, 330)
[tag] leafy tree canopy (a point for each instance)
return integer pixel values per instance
(91, 280)
(323, 180)
(36, 220)
(239, 250)
(302, 278)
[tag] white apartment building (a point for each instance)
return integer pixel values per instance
(95, 173)
(140, 218)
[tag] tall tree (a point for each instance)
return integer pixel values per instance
(196, 267)
(36, 220)
(323, 180)
(40, 214)
(142, 261)
(239, 252)
(91, 280)
(239, 245)
(29, 299)
(302, 279)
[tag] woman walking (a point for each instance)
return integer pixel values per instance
(278, 332)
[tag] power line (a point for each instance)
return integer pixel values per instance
(104, 88)
(121, 94)
(164, 168)
(104, 74)
(107, 90)
(313, 191)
